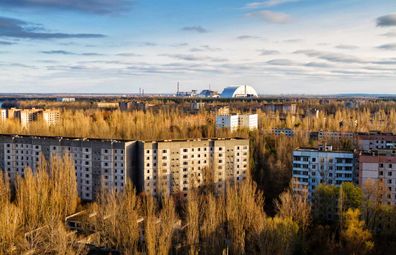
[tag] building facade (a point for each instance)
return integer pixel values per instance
(379, 167)
(376, 141)
(312, 167)
(51, 117)
(177, 166)
(235, 122)
(99, 164)
(283, 131)
(3, 114)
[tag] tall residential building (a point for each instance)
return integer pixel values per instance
(312, 167)
(179, 165)
(26, 116)
(379, 166)
(99, 164)
(3, 114)
(51, 117)
(230, 122)
(235, 122)
(376, 140)
(169, 166)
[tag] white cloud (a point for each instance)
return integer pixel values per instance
(271, 17)
(268, 3)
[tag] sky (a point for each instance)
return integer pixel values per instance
(119, 46)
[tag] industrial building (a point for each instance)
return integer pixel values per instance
(312, 167)
(234, 122)
(239, 92)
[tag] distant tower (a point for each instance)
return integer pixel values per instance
(178, 87)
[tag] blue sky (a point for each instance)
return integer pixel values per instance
(119, 46)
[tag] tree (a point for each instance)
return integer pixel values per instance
(356, 238)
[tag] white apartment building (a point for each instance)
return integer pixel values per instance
(312, 167)
(3, 114)
(99, 164)
(230, 122)
(379, 167)
(51, 117)
(235, 122)
(174, 167)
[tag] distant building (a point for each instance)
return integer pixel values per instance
(107, 105)
(376, 140)
(66, 99)
(235, 122)
(239, 92)
(196, 106)
(335, 135)
(312, 167)
(177, 166)
(51, 117)
(283, 131)
(379, 167)
(209, 93)
(281, 108)
(27, 116)
(3, 114)
(192, 93)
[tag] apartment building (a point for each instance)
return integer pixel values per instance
(3, 115)
(99, 164)
(283, 131)
(175, 166)
(236, 121)
(379, 166)
(312, 167)
(281, 108)
(27, 116)
(66, 99)
(51, 117)
(376, 141)
(335, 135)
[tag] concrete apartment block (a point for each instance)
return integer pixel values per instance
(3, 115)
(379, 167)
(99, 164)
(312, 167)
(51, 117)
(235, 122)
(376, 140)
(175, 166)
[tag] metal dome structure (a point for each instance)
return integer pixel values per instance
(238, 92)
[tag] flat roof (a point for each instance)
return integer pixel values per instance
(317, 150)
(65, 137)
(197, 140)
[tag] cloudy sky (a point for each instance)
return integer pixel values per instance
(119, 46)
